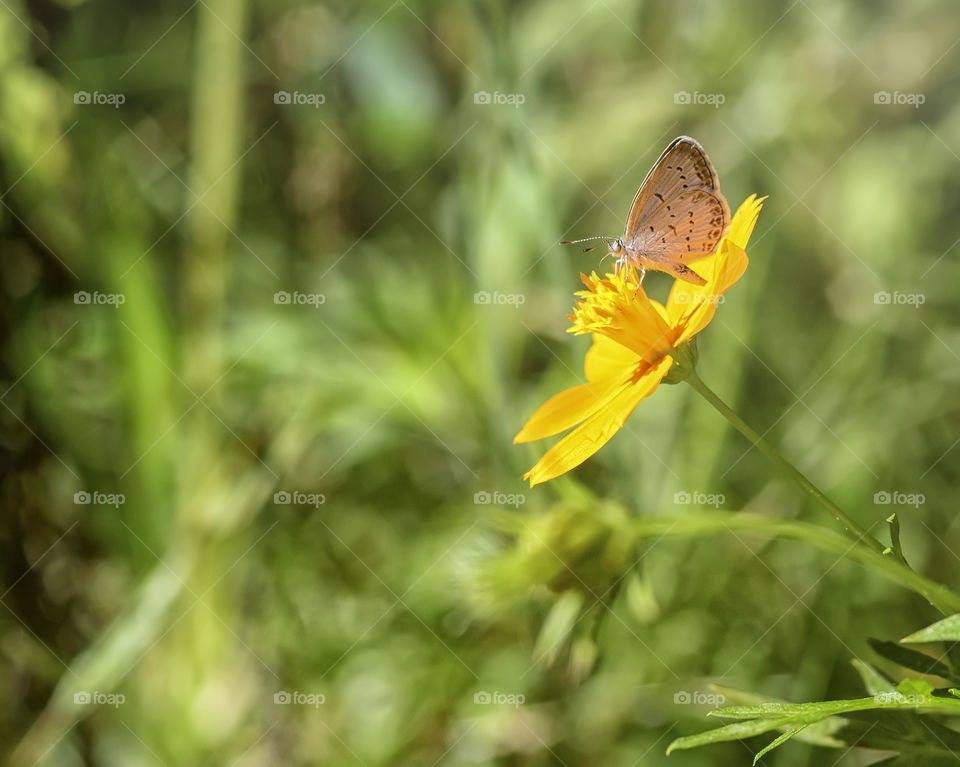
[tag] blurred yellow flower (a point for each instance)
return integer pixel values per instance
(636, 342)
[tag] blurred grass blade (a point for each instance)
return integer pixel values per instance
(557, 627)
(874, 682)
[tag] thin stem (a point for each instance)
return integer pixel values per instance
(945, 600)
(708, 523)
(773, 454)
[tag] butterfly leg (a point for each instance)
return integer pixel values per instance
(643, 273)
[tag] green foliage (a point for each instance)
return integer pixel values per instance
(947, 630)
(322, 497)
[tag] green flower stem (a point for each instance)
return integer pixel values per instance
(768, 450)
(939, 596)
(697, 524)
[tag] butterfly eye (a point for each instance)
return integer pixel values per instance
(615, 245)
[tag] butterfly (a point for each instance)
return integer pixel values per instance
(677, 217)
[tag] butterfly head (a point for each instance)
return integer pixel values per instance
(616, 247)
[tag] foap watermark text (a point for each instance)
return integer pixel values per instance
(85, 698)
(899, 99)
(715, 100)
(896, 298)
(96, 498)
(896, 498)
(496, 498)
(515, 100)
(299, 99)
(486, 298)
(296, 498)
(686, 497)
(97, 98)
(96, 298)
(484, 698)
(698, 698)
(296, 298)
(284, 698)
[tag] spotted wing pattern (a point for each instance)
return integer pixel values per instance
(679, 214)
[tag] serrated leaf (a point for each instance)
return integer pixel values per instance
(947, 630)
(873, 681)
(778, 742)
(911, 659)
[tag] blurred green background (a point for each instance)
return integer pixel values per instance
(257, 415)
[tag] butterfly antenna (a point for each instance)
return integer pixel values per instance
(597, 237)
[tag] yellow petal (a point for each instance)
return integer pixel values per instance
(568, 408)
(588, 438)
(741, 227)
(608, 359)
(691, 307)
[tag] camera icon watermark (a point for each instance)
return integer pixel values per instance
(85, 698)
(684, 98)
(299, 99)
(897, 98)
(96, 298)
(485, 698)
(496, 498)
(896, 498)
(496, 298)
(296, 498)
(700, 298)
(686, 498)
(698, 698)
(96, 498)
(284, 698)
(898, 697)
(296, 298)
(516, 100)
(896, 298)
(86, 98)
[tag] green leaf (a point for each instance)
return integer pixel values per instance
(895, 548)
(817, 734)
(807, 712)
(779, 741)
(947, 630)
(735, 731)
(914, 687)
(874, 681)
(911, 659)
(789, 716)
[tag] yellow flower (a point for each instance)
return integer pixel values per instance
(636, 342)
